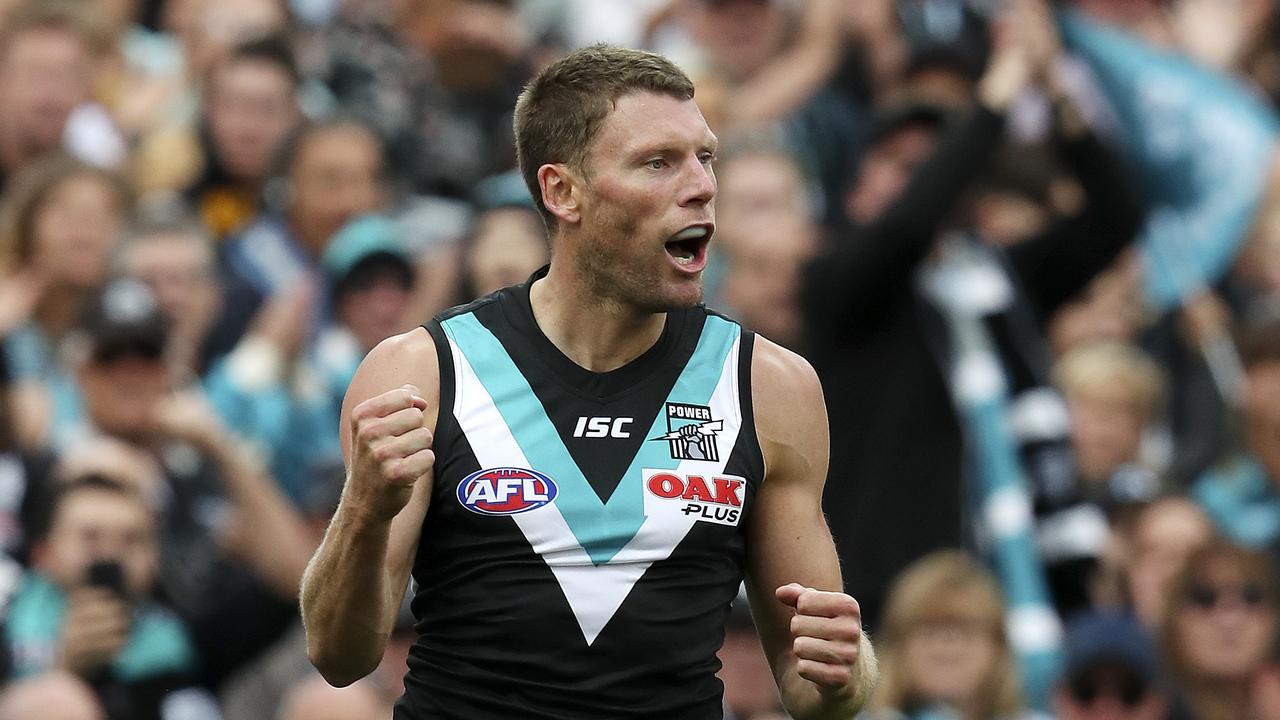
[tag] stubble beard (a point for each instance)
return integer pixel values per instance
(613, 279)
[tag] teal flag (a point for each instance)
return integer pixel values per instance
(1201, 144)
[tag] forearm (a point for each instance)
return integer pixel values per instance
(271, 536)
(347, 598)
(804, 701)
(789, 81)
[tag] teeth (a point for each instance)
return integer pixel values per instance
(684, 259)
(691, 233)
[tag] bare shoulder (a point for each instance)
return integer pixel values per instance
(790, 413)
(405, 359)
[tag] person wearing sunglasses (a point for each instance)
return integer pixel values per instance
(1219, 636)
(1112, 671)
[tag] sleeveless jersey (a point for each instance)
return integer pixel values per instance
(585, 536)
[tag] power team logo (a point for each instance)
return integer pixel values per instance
(691, 432)
(712, 498)
(505, 491)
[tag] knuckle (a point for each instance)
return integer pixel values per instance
(384, 452)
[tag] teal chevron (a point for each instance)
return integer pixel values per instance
(601, 528)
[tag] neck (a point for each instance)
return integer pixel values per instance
(1221, 699)
(598, 334)
(309, 239)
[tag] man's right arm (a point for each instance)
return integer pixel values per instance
(353, 585)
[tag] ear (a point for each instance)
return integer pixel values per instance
(559, 186)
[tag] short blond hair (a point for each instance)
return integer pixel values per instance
(1112, 365)
(563, 108)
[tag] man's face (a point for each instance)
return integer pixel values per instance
(92, 525)
(886, 170)
(374, 312)
(121, 393)
(251, 110)
(44, 75)
(646, 204)
(764, 275)
(180, 271)
(336, 176)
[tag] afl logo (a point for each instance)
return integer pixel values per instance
(505, 491)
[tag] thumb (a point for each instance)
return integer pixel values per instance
(790, 593)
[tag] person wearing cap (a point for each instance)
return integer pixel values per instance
(280, 252)
(284, 391)
(233, 549)
(1111, 670)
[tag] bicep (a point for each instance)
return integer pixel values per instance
(787, 536)
(405, 359)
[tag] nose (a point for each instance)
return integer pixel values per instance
(699, 186)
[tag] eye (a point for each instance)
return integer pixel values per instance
(655, 164)
(706, 158)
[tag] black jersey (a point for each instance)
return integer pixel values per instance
(586, 531)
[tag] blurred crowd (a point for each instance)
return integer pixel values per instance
(1052, 493)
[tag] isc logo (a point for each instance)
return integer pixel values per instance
(716, 499)
(598, 427)
(505, 491)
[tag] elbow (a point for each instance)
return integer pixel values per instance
(339, 668)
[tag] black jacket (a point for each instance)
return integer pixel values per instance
(894, 491)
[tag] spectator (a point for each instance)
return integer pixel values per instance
(766, 230)
(250, 107)
(55, 695)
(1219, 635)
(1112, 671)
(177, 260)
(1113, 392)
(62, 220)
(762, 276)
(770, 64)
(459, 128)
(288, 397)
(1163, 535)
(891, 312)
(329, 173)
(1241, 493)
(942, 645)
(507, 244)
(233, 550)
(85, 608)
(45, 74)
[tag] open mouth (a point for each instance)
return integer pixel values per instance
(688, 248)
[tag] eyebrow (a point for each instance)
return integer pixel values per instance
(710, 143)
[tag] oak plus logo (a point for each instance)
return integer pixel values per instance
(707, 498)
(691, 432)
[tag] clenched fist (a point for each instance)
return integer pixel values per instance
(826, 637)
(390, 451)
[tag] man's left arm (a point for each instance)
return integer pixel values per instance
(811, 631)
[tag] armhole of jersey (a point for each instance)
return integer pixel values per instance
(446, 425)
(747, 433)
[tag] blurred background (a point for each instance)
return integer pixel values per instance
(1032, 249)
